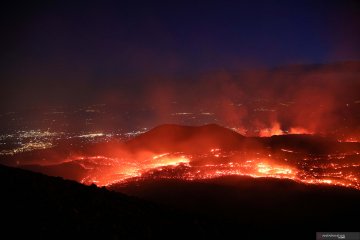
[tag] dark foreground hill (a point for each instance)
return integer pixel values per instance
(35, 206)
(261, 205)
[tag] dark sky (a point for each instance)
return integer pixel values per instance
(56, 50)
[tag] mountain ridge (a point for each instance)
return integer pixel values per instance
(173, 137)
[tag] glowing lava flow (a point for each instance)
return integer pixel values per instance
(217, 163)
(299, 130)
(349, 140)
(261, 168)
(165, 160)
(267, 170)
(105, 171)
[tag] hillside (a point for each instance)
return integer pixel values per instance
(36, 206)
(177, 138)
(260, 205)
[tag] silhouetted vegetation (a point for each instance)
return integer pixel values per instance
(257, 206)
(35, 206)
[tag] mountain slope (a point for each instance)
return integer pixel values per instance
(199, 139)
(37, 206)
(174, 138)
(260, 205)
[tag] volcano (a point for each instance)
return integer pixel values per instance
(203, 152)
(199, 139)
(177, 138)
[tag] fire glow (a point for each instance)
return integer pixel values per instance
(275, 129)
(191, 168)
(106, 171)
(210, 151)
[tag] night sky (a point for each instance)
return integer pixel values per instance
(58, 52)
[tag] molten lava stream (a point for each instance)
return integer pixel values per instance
(106, 171)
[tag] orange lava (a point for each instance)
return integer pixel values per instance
(350, 140)
(299, 130)
(110, 170)
(275, 129)
(106, 171)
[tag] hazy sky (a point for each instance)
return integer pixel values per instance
(67, 51)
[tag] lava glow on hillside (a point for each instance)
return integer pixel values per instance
(203, 152)
(215, 163)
